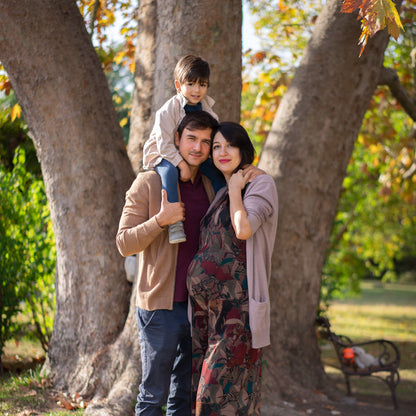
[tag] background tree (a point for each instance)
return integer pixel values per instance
(63, 92)
(378, 188)
(308, 150)
(174, 27)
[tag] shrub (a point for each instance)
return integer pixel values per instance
(27, 253)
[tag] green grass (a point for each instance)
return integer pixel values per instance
(382, 311)
(22, 389)
(28, 392)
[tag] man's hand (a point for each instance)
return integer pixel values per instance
(170, 212)
(250, 172)
(185, 172)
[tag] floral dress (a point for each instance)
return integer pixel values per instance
(226, 371)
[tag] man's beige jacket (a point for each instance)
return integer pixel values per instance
(139, 232)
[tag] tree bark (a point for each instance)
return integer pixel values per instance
(169, 30)
(307, 152)
(63, 92)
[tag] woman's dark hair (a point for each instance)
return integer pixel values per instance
(237, 136)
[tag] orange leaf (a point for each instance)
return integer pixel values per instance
(349, 6)
(16, 111)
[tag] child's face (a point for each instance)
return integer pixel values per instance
(194, 92)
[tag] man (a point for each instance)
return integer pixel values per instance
(162, 297)
(164, 329)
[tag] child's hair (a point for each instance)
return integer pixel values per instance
(237, 136)
(192, 68)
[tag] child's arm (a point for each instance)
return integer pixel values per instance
(160, 144)
(185, 172)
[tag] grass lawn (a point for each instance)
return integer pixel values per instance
(382, 311)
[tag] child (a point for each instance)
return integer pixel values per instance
(159, 152)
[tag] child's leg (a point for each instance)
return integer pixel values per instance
(210, 171)
(169, 177)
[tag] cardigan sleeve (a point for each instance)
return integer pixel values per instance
(260, 201)
(136, 230)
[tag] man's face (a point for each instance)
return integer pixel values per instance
(194, 145)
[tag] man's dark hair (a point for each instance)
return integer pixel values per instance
(192, 68)
(198, 120)
(237, 136)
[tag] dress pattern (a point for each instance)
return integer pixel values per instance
(226, 371)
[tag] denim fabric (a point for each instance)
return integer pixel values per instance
(211, 172)
(166, 353)
(169, 177)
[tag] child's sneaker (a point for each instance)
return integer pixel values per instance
(176, 233)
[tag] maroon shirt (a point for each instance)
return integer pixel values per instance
(196, 202)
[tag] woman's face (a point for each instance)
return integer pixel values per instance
(226, 157)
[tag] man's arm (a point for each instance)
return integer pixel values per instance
(138, 226)
(250, 172)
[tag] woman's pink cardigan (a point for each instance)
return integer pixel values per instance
(261, 203)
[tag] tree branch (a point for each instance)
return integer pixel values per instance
(94, 17)
(390, 78)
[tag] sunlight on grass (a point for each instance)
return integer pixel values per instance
(387, 311)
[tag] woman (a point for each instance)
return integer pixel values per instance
(228, 283)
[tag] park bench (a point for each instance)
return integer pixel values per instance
(377, 358)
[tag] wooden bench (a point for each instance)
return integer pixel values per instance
(385, 353)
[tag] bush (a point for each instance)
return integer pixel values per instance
(27, 253)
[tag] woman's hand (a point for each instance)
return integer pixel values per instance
(238, 180)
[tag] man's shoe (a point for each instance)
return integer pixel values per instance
(176, 233)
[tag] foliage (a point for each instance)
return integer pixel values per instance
(375, 15)
(14, 133)
(267, 71)
(120, 81)
(27, 259)
(373, 234)
(100, 16)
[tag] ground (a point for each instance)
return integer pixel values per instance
(383, 311)
(44, 401)
(359, 405)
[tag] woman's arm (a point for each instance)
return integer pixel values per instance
(238, 213)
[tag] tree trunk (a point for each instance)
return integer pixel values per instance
(307, 151)
(67, 105)
(169, 30)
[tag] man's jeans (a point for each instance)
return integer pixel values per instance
(166, 352)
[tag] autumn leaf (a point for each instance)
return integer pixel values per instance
(375, 15)
(16, 111)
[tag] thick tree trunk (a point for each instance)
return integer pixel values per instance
(170, 29)
(307, 151)
(61, 87)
